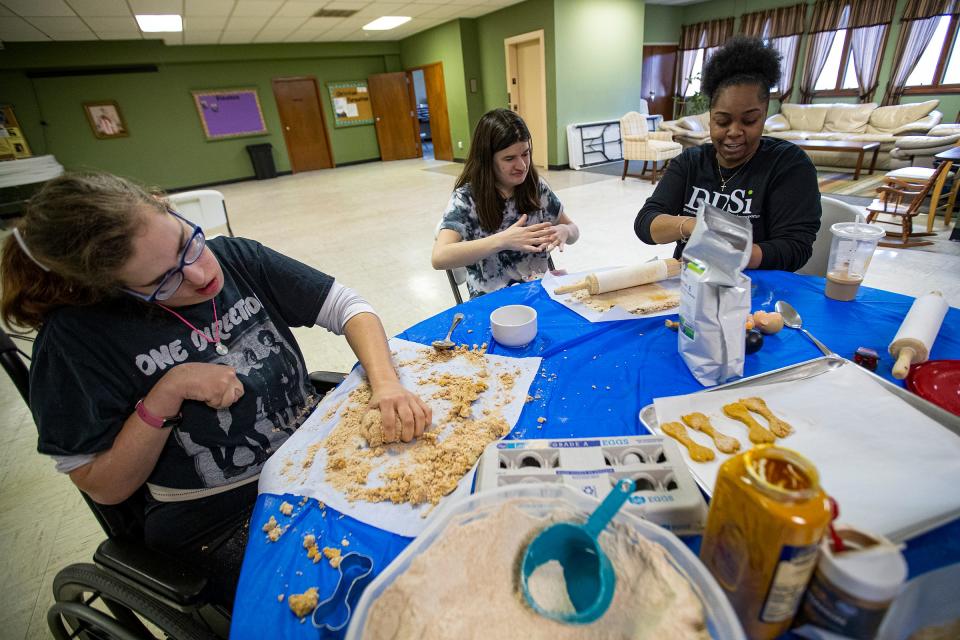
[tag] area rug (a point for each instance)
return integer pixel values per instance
(841, 182)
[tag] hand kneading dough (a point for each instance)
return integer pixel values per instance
(371, 428)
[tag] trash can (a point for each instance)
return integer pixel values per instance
(261, 155)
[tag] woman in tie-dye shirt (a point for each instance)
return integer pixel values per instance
(503, 220)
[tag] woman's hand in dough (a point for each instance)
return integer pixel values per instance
(398, 404)
(519, 237)
(215, 385)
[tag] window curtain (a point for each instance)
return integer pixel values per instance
(917, 26)
(702, 35)
(782, 27)
(870, 23)
(828, 16)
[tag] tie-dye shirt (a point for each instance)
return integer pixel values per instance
(508, 267)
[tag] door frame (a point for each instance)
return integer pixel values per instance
(423, 67)
(537, 35)
(323, 117)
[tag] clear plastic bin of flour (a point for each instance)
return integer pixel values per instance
(540, 499)
(851, 250)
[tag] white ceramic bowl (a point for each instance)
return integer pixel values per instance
(514, 325)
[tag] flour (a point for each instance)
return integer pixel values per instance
(466, 585)
(639, 300)
(548, 588)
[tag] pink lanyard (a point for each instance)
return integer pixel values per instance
(220, 347)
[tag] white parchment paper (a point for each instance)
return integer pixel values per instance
(551, 282)
(401, 519)
(893, 470)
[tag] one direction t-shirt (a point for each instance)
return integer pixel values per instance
(508, 267)
(92, 364)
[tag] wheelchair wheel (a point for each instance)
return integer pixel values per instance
(92, 604)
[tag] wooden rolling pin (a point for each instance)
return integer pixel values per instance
(624, 277)
(913, 341)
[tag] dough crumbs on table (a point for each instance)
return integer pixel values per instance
(274, 534)
(286, 508)
(303, 603)
(508, 379)
(333, 555)
(279, 597)
(639, 300)
(304, 500)
(270, 524)
(529, 398)
(461, 391)
(541, 419)
(344, 543)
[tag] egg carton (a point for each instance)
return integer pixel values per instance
(665, 492)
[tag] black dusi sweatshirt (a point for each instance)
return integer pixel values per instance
(777, 189)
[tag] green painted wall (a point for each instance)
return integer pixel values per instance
(472, 71)
(166, 146)
(598, 55)
(661, 24)
(444, 44)
(514, 20)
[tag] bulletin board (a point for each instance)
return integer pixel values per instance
(351, 103)
(229, 113)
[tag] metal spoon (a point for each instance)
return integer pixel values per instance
(447, 343)
(792, 319)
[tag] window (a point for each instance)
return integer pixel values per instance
(693, 87)
(830, 79)
(939, 65)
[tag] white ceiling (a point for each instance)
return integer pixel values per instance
(227, 21)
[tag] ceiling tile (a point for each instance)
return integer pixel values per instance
(71, 36)
(61, 24)
(414, 10)
(237, 37)
(346, 4)
(39, 7)
(201, 37)
(263, 8)
(445, 11)
(209, 7)
(118, 35)
(281, 23)
(157, 7)
(173, 39)
(204, 23)
(4, 12)
(295, 9)
(246, 24)
(378, 9)
(113, 24)
(19, 30)
(475, 12)
(273, 35)
(316, 26)
(100, 7)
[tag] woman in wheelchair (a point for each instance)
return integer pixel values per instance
(150, 367)
(503, 220)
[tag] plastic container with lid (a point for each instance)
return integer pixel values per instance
(540, 499)
(851, 590)
(851, 250)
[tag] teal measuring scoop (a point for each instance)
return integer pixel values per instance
(589, 576)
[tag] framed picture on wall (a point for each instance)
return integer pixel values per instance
(229, 113)
(105, 119)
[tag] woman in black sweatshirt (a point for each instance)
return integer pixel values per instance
(770, 181)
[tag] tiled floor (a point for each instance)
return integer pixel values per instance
(372, 227)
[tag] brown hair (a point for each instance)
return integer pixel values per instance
(80, 226)
(497, 130)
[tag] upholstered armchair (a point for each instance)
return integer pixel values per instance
(648, 146)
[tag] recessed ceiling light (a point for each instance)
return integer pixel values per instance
(386, 22)
(160, 23)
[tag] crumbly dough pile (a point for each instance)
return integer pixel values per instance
(429, 468)
(646, 298)
(471, 573)
(302, 604)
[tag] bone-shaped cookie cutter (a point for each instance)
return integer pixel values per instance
(336, 610)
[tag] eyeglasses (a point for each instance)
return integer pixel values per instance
(172, 279)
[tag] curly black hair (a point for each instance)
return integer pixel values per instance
(741, 60)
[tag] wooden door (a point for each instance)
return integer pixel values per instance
(659, 63)
(439, 118)
(304, 128)
(394, 115)
(526, 83)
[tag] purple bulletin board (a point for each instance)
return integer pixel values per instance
(229, 113)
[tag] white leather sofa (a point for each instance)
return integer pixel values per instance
(857, 122)
(689, 131)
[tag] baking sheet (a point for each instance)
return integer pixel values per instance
(551, 282)
(402, 519)
(889, 465)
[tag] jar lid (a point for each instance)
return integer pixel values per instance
(857, 231)
(875, 573)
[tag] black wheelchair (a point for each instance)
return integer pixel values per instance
(130, 592)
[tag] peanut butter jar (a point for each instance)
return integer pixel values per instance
(766, 519)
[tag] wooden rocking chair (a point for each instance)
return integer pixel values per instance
(902, 199)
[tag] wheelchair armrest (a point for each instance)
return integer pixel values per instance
(155, 571)
(324, 381)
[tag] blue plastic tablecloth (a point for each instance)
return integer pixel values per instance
(629, 363)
